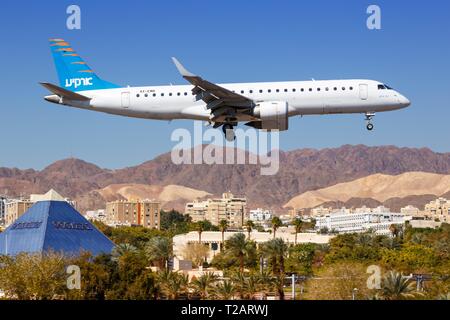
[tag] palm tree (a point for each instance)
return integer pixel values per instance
(249, 225)
(203, 284)
(239, 247)
(298, 224)
(225, 290)
(159, 250)
(276, 250)
(251, 287)
(199, 227)
(122, 249)
(396, 286)
(173, 284)
(276, 223)
(265, 284)
(223, 225)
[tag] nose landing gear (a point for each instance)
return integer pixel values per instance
(369, 117)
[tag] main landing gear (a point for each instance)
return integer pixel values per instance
(228, 130)
(369, 117)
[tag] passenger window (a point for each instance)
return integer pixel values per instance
(162, 94)
(318, 89)
(260, 91)
(251, 91)
(137, 96)
(269, 91)
(310, 89)
(170, 94)
(285, 90)
(302, 90)
(326, 89)
(351, 88)
(278, 90)
(343, 88)
(154, 94)
(242, 91)
(185, 93)
(335, 88)
(178, 93)
(146, 95)
(293, 90)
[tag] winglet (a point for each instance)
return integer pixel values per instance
(182, 69)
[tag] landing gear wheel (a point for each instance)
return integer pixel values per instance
(229, 132)
(369, 116)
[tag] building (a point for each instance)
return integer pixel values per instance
(15, 208)
(144, 213)
(343, 222)
(53, 226)
(230, 208)
(97, 215)
(213, 239)
(320, 211)
(410, 210)
(438, 209)
(260, 215)
(3, 200)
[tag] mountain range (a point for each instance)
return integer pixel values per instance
(300, 171)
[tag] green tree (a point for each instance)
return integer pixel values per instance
(276, 250)
(203, 285)
(249, 225)
(223, 226)
(241, 248)
(225, 290)
(33, 276)
(301, 258)
(298, 224)
(397, 287)
(173, 285)
(159, 250)
(276, 223)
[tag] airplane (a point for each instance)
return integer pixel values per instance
(262, 105)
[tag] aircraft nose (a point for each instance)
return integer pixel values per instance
(404, 102)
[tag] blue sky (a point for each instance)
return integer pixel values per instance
(131, 42)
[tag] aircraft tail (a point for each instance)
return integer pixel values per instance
(73, 73)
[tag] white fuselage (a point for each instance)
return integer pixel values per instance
(303, 98)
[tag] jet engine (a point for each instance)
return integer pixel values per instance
(273, 115)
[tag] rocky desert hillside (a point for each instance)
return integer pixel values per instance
(300, 171)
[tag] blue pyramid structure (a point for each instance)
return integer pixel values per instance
(56, 226)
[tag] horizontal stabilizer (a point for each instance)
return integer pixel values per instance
(64, 93)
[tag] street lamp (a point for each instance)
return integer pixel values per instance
(354, 293)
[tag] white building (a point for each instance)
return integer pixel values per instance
(260, 215)
(410, 210)
(379, 222)
(97, 215)
(213, 239)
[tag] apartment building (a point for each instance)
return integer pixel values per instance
(144, 213)
(230, 208)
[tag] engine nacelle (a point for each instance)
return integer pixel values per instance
(273, 115)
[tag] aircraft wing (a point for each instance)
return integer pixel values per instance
(214, 95)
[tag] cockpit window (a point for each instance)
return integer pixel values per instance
(387, 87)
(381, 87)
